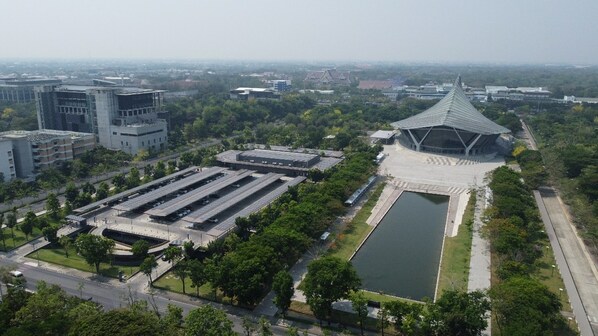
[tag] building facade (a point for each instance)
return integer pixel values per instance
(121, 118)
(21, 90)
(453, 125)
(24, 153)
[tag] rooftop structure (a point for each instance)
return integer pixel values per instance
(20, 90)
(452, 125)
(383, 136)
(374, 84)
(123, 118)
(244, 93)
(276, 161)
(580, 100)
(280, 85)
(24, 153)
(329, 77)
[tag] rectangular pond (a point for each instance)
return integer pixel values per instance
(402, 254)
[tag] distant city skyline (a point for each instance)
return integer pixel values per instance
(427, 31)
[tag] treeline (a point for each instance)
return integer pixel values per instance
(243, 265)
(50, 311)
(521, 304)
(17, 116)
(568, 142)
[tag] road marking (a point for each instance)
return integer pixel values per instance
(593, 319)
(29, 263)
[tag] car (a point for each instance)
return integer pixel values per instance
(213, 220)
(236, 185)
(16, 274)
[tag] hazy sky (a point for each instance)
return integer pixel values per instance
(482, 31)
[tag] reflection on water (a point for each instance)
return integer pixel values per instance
(401, 256)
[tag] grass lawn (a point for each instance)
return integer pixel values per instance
(172, 283)
(454, 270)
(19, 238)
(550, 277)
(344, 318)
(57, 256)
(347, 242)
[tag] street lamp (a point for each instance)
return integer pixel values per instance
(552, 272)
(560, 292)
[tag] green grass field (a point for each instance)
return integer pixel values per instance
(19, 238)
(56, 255)
(347, 242)
(454, 271)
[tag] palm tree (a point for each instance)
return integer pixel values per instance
(11, 222)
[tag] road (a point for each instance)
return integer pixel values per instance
(574, 261)
(113, 295)
(38, 203)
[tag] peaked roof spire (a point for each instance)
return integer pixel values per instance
(454, 110)
(458, 81)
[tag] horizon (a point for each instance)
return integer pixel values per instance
(535, 32)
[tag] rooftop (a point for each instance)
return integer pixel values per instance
(271, 154)
(454, 110)
(383, 134)
(40, 135)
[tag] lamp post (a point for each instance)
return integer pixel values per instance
(552, 272)
(560, 292)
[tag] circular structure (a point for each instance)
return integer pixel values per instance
(453, 125)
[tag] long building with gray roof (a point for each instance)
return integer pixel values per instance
(453, 125)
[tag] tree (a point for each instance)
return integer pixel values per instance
(524, 306)
(71, 192)
(172, 254)
(140, 249)
(88, 188)
(50, 234)
(133, 179)
(284, 289)
(196, 274)
(461, 313)
(382, 322)
(159, 170)
(147, 267)
(94, 249)
(67, 209)
(360, 305)
(181, 270)
(328, 279)
(208, 321)
(11, 222)
(119, 181)
(28, 224)
(265, 327)
(248, 325)
(102, 191)
(174, 316)
(53, 206)
(66, 242)
(2, 231)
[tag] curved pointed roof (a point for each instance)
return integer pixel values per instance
(454, 110)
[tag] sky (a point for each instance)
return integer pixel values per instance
(445, 31)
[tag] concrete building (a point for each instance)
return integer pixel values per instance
(452, 125)
(383, 137)
(244, 93)
(17, 90)
(280, 85)
(276, 161)
(518, 93)
(24, 153)
(121, 118)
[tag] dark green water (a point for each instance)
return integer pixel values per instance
(402, 255)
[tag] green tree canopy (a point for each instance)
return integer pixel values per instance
(94, 249)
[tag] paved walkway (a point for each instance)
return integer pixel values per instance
(573, 261)
(479, 264)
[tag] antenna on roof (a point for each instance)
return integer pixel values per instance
(458, 81)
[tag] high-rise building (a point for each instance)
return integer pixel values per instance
(24, 153)
(20, 90)
(122, 118)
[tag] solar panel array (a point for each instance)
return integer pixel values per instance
(196, 195)
(203, 214)
(142, 200)
(133, 191)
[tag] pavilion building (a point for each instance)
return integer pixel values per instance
(453, 126)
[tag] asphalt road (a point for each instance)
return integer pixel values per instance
(112, 296)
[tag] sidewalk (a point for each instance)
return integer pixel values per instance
(479, 265)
